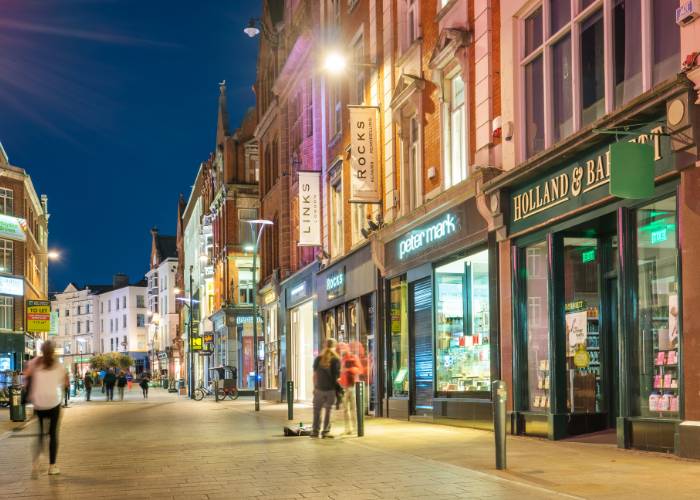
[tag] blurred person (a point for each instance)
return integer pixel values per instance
(350, 370)
(87, 381)
(326, 373)
(109, 380)
(144, 385)
(45, 378)
(121, 384)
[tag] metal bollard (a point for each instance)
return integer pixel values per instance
(290, 400)
(360, 407)
(499, 395)
(216, 390)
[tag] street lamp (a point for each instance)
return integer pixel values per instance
(190, 386)
(336, 62)
(261, 223)
(53, 255)
(256, 26)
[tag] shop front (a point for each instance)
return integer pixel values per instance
(440, 335)
(232, 343)
(300, 332)
(12, 356)
(597, 291)
(347, 305)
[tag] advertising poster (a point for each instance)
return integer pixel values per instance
(309, 209)
(576, 330)
(38, 316)
(364, 155)
(53, 332)
(673, 320)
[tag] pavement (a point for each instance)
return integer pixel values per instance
(171, 447)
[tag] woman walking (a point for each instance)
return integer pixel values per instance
(46, 378)
(144, 385)
(326, 373)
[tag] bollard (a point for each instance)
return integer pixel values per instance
(360, 407)
(216, 390)
(499, 394)
(290, 400)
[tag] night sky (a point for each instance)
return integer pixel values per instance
(110, 105)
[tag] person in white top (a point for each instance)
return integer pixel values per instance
(46, 379)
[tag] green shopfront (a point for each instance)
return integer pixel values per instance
(597, 295)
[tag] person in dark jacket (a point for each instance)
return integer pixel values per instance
(326, 373)
(87, 380)
(121, 384)
(109, 381)
(144, 385)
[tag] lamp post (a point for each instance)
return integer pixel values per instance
(261, 223)
(190, 385)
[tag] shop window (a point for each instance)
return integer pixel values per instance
(655, 364)
(271, 348)
(462, 325)
(537, 327)
(583, 334)
(398, 326)
(6, 256)
(455, 160)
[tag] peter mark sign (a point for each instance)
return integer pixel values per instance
(364, 155)
(431, 234)
(309, 209)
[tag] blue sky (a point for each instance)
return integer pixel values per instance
(110, 105)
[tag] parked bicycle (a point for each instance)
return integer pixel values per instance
(202, 392)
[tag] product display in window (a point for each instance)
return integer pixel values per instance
(462, 325)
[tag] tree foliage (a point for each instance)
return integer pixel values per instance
(111, 360)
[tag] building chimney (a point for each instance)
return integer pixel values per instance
(120, 280)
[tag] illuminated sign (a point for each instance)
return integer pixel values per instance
(196, 343)
(245, 320)
(38, 316)
(417, 239)
(13, 228)
(335, 284)
(208, 338)
(11, 286)
(659, 236)
(588, 255)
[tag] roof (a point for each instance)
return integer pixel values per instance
(166, 246)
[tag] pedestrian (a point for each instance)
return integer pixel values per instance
(109, 381)
(87, 380)
(350, 370)
(144, 385)
(129, 380)
(326, 373)
(45, 379)
(121, 384)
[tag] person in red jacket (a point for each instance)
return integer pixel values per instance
(350, 371)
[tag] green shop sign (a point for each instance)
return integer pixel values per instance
(335, 284)
(580, 182)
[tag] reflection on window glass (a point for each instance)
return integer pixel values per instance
(537, 326)
(658, 338)
(563, 106)
(592, 68)
(627, 43)
(667, 40)
(398, 305)
(582, 299)
(534, 107)
(462, 324)
(533, 31)
(559, 14)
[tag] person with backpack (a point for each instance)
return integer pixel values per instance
(326, 373)
(144, 385)
(350, 370)
(121, 384)
(45, 379)
(109, 381)
(87, 381)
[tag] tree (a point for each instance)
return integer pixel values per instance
(111, 360)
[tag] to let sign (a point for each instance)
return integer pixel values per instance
(38, 316)
(364, 155)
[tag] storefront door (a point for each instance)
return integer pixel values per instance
(302, 340)
(421, 298)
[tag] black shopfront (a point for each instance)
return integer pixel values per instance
(441, 338)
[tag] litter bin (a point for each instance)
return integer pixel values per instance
(165, 383)
(18, 411)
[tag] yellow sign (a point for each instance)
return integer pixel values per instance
(38, 316)
(582, 359)
(196, 343)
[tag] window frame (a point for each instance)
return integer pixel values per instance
(7, 254)
(7, 306)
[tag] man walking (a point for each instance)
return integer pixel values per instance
(87, 380)
(109, 381)
(121, 384)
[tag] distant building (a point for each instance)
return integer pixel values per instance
(23, 262)
(164, 339)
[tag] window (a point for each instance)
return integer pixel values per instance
(271, 347)
(7, 205)
(67, 312)
(6, 256)
(124, 343)
(140, 301)
(412, 19)
(358, 55)
(398, 326)
(124, 298)
(455, 136)
(411, 196)
(102, 345)
(111, 344)
(309, 108)
(77, 326)
(109, 305)
(116, 301)
(655, 358)
(358, 213)
(245, 285)
(102, 307)
(111, 325)
(6, 313)
(80, 310)
(246, 233)
(124, 321)
(140, 320)
(462, 342)
(102, 326)
(336, 107)
(583, 64)
(537, 320)
(336, 222)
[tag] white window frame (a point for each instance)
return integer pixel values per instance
(411, 191)
(448, 123)
(411, 22)
(7, 201)
(336, 214)
(7, 313)
(573, 28)
(7, 254)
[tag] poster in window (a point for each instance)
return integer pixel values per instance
(364, 155)
(576, 330)
(673, 320)
(309, 209)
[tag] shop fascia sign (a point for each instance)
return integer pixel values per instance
(11, 286)
(13, 228)
(335, 283)
(298, 292)
(578, 184)
(246, 320)
(433, 234)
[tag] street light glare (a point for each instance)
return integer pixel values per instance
(177, 290)
(264, 222)
(53, 255)
(335, 63)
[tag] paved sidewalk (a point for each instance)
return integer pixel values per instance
(171, 447)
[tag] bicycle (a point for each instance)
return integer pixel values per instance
(231, 393)
(201, 392)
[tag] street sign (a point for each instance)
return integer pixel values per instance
(196, 343)
(38, 316)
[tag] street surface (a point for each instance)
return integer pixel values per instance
(170, 447)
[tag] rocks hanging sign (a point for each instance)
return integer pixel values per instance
(364, 155)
